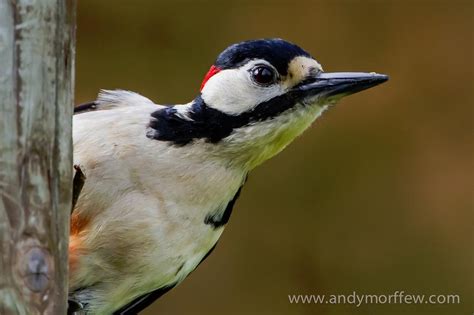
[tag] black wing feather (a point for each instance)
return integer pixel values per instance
(142, 302)
(86, 107)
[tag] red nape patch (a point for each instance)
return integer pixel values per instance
(213, 70)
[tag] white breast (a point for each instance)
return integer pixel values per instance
(147, 201)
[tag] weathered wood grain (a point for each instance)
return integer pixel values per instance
(36, 103)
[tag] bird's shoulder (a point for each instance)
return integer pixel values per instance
(117, 123)
(113, 99)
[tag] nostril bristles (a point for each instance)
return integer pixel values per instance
(313, 71)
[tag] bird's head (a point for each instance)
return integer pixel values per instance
(256, 98)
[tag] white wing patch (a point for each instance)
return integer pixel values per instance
(108, 99)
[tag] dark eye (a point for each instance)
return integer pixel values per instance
(263, 75)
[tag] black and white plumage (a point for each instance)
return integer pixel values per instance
(162, 181)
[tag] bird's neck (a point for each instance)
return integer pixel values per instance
(229, 137)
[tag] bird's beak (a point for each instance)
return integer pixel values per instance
(339, 83)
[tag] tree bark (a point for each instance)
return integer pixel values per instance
(37, 45)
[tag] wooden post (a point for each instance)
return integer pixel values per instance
(36, 103)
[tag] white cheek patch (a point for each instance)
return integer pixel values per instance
(233, 92)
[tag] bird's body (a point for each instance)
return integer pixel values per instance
(159, 210)
(162, 181)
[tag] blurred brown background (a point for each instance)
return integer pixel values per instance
(376, 197)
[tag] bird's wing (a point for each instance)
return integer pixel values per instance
(142, 302)
(109, 99)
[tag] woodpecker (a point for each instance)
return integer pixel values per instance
(162, 180)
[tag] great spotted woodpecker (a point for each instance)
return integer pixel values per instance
(162, 181)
